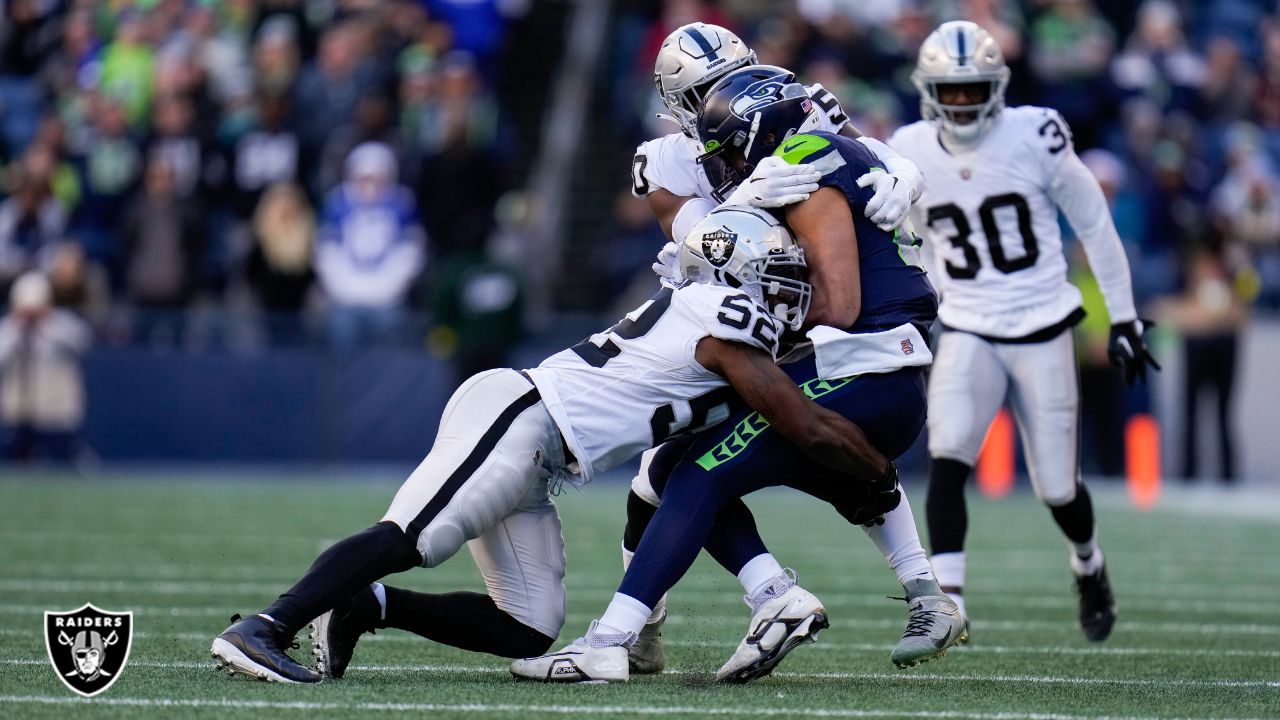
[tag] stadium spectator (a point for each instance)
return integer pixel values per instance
(369, 251)
(42, 398)
(1157, 62)
(163, 244)
(128, 67)
(329, 88)
(31, 218)
(263, 154)
(1246, 208)
(111, 167)
(460, 176)
(1070, 49)
(279, 266)
(1209, 315)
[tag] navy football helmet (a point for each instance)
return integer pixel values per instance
(744, 117)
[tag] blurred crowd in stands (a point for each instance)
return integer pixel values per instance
(160, 157)
(338, 169)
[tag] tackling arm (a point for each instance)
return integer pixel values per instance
(827, 437)
(823, 225)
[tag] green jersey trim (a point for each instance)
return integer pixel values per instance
(798, 147)
(753, 425)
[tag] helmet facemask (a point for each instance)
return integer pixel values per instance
(968, 122)
(959, 54)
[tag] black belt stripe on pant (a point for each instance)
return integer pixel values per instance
(474, 460)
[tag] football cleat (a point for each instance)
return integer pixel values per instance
(934, 623)
(783, 617)
(648, 656)
(334, 634)
(1097, 605)
(254, 647)
(595, 658)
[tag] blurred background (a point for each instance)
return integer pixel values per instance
(280, 231)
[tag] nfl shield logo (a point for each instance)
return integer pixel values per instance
(717, 246)
(907, 347)
(88, 647)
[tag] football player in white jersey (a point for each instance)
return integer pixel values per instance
(997, 179)
(667, 173)
(508, 438)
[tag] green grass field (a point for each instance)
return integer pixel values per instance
(1199, 634)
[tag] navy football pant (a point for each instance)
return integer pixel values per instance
(743, 455)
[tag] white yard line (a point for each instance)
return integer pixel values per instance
(906, 676)
(554, 709)
(821, 645)
(1205, 628)
(1051, 599)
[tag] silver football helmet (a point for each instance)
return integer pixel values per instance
(691, 59)
(961, 53)
(747, 248)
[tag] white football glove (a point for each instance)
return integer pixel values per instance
(775, 183)
(667, 265)
(888, 207)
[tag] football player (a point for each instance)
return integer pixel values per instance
(997, 179)
(508, 439)
(871, 310)
(667, 173)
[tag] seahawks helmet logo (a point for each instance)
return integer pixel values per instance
(717, 246)
(762, 94)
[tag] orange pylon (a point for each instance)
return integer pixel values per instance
(995, 461)
(1142, 460)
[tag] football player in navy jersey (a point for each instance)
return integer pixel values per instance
(872, 306)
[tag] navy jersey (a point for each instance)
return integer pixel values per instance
(894, 290)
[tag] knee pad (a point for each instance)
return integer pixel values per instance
(1057, 494)
(642, 488)
(439, 541)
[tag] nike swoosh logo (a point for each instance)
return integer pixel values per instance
(792, 146)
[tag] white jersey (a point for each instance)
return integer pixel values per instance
(671, 162)
(990, 216)
(629, 388)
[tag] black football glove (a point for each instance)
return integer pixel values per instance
(1128, 350)
(883, 496)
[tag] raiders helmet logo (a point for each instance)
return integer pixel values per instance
(717, 246)
(88, 647)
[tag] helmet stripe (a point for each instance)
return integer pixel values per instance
(960, 49)
(703, 44)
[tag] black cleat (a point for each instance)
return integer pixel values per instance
(1097, 605)
(255, 647)
(334, 634)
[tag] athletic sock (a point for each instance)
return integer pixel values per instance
(899, 541)
(467, 620)
(1075, 518)
(948, 568)
(945, 511)
(342, 571)
(380, 592)
(625, 614)
(1089, 564)
(758, 572)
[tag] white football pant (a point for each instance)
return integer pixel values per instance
(968, 384)
(485, 483)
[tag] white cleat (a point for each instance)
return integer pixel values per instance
(934, 623)
(648, 656)
(596, 658)
(784, 616)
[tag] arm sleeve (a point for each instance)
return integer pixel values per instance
(1078, 195)
(897, 165)
(689, 214)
